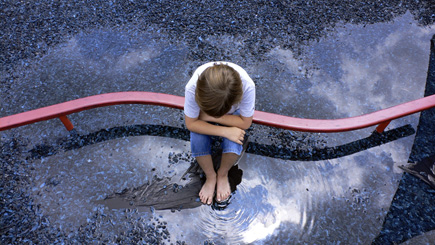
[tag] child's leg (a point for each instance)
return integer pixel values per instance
(231, 151)
(223, 189)
(200, 145)
(207, 191)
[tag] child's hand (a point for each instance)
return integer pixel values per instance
(235, 134)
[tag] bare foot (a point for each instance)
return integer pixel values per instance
(223, 189)
(207, 191)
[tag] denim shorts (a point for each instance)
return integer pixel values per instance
(201, 144)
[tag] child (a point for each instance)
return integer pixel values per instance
(221, 93)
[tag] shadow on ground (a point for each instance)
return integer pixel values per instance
(281, 151)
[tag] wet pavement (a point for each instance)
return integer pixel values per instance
(328, 68)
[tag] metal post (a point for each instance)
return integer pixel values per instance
(66, 122)
(381, 127)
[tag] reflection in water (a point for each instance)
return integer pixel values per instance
(341, 75)
(278, 201)
(257, 208)
(280, 194)
(95, 62)
(239, 219)
(168, 193)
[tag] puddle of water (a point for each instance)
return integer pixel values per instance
(96, 62)
(67, 184)
(340, 76)
(289, 201)
(353, 71)
(305, 201)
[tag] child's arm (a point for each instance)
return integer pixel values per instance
(196, 125)
(228, 120)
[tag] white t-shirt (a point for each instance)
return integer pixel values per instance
(246, 106)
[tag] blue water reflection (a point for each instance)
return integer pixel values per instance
(354, 70)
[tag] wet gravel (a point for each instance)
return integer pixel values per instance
(30, 28)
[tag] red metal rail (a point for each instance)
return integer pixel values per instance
(381, 118)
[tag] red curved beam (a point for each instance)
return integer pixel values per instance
(101, 100)
(381, 118)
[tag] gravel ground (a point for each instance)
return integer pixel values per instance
(30, 28)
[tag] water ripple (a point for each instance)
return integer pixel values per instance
(234, 223)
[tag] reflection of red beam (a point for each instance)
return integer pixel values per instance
(381, 118)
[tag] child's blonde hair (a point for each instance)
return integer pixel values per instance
(218, 88)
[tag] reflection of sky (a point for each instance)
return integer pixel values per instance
(302, 193)
(96, 62)
(93, 172)
(376, 74)
(359, 69)
(295, 198)
(353, 71)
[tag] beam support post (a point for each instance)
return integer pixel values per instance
(67, 123)
(381, 127)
